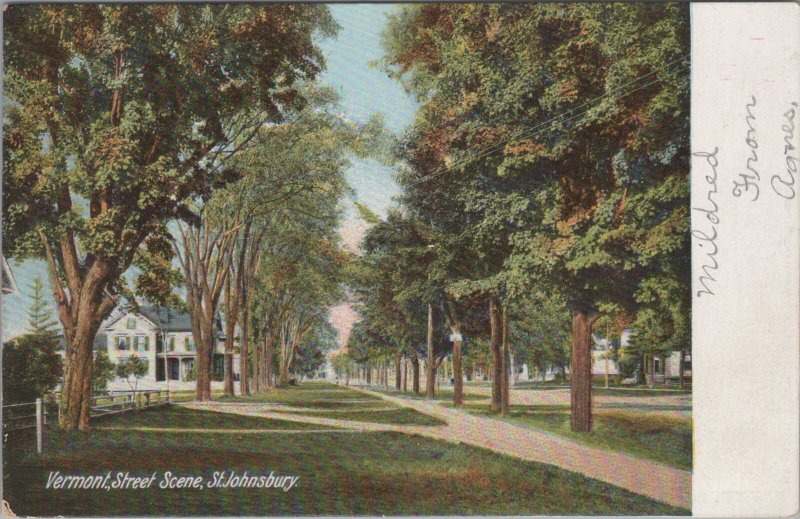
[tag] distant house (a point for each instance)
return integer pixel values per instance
(163, 338)
(663, 368)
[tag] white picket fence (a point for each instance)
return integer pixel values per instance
(29, 415)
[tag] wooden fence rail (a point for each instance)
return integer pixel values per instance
(29, 415)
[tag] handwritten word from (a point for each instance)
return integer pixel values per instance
(750, 178)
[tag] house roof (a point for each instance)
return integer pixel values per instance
(165, 319)
(168, 319)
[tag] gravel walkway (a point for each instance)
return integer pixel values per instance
(660, 482)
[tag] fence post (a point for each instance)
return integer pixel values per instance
(39, 425)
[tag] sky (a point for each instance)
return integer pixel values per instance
(364, 92)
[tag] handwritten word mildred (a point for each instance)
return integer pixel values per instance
(706, 236)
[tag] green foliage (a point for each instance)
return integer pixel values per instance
(117, 121)
(540, 331)
(31, 368)
(550, 153)
(103, 372)
(392, 289)
(318, 343)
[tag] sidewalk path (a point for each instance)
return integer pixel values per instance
(660, 482)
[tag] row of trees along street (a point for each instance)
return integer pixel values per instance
(185, 155)
(153, 148)
(545, 187)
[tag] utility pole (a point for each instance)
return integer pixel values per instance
(168, 313)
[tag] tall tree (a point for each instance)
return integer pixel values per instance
(571, 122)
(117, 114)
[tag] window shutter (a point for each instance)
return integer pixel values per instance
(147, 344)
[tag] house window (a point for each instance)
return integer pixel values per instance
(131, 323)
(658, 366)
(122, 343)
(142, 343)
(188, 343)
(171, 346)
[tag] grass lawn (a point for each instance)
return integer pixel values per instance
(444, 394)
(665, 439)
(340, 473)
(306, 395)
(174, 417)
(550, 384)
(399, 416)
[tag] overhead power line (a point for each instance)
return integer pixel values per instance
(549, 123)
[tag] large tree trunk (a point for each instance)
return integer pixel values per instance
(203, 332)
(430, 363)
(76, 389)
(284, 376)
(505, 395)
(405, 374)
(458, 374)
(270, 346)
(244, 371)
(681, 369)
(257, 367)
(581, 371)
(228, 389)
(415, 370)
(495, 324)
(398, 373)
(81, 315)
(231, 309)
(203, 382)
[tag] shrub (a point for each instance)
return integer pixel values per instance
(31, 368)
(102, 372)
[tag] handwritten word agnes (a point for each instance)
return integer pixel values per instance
(782, 183)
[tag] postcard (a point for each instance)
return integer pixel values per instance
(445, 259)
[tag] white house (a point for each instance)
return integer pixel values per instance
(661, 368)
(146, 333)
